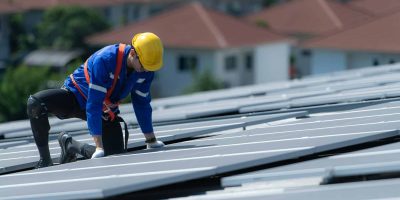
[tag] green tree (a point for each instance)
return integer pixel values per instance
(268, 3)
(203, 82)
(16, 86)
(66, 27)
(20, 40)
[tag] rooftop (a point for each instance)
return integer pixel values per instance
(192, 26)
(380, 35)
(313, 17)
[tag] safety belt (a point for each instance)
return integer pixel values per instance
(107, 104)
(126, 138)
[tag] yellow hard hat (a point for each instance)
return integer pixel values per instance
(149, 48)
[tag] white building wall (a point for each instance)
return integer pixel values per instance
(325, 61)
(240, 75)
(271, 62)
(366, 59)
(170, 81)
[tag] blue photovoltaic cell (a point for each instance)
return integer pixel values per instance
(232, 144)
(21, 157)
(202, 157)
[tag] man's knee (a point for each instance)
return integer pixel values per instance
(36, 108)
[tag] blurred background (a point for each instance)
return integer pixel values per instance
(209, 44)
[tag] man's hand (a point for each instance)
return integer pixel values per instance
(98, 153)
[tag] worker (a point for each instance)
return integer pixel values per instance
(92, 93)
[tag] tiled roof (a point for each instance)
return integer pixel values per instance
(379, 35)
(192, 25)
(377, 8)
(5, 7)
(313, 17)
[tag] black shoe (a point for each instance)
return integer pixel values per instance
(66, 156)
(43, 163)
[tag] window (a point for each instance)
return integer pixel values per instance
(249, 61)
(230, 63)
(187, 63)
(375, 62)
(154, 10)
(306, 53)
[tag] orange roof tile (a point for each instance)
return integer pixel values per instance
(192, 25)
(313, 17)
(378, 35)
(375, 7)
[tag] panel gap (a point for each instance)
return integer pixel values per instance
(173, 142)
(360, 178)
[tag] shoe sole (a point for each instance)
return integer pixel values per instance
(62, 145)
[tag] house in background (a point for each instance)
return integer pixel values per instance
(56, 60)
(198, 39)
(117, 13)
(374, 43)
(307, 19)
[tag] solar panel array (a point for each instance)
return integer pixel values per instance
(265, 130)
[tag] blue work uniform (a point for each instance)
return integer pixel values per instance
(101, 67)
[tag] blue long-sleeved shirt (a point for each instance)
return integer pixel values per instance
(101, 68)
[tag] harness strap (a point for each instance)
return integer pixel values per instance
(117, 71)
(107, 104)
(77, 86)
(126, 138)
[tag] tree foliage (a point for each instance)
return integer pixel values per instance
(66, 27)
(16, 86)
(20, 39)
(203, 82)
(268, 3)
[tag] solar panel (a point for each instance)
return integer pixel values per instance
(4, 145)
(387, 189)
(25, 156)
(232, 143)
(193, 159)
(145, 172)
(378, 160)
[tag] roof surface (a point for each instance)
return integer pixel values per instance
(375, 7)
(192, 25)
(378, 35)
(5, 7)
(51, 57)
(309, 17)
